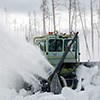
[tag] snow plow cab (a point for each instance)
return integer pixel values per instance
(53, 46)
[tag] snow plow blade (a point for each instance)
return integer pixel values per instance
(87, 64)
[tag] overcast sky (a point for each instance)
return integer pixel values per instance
(25, 5)
(20, 5)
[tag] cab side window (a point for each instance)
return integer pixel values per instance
(42, 45)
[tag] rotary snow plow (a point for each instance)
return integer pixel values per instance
(62, 51)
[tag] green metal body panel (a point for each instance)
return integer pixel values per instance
(53, 47)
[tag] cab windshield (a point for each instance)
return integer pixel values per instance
(67, 42)
(55, 45)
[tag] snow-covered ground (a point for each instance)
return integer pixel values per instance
(20, 62)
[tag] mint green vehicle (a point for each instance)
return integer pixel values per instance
(62, 51)
(54, 45)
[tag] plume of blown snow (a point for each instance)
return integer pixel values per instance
(20, 61)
